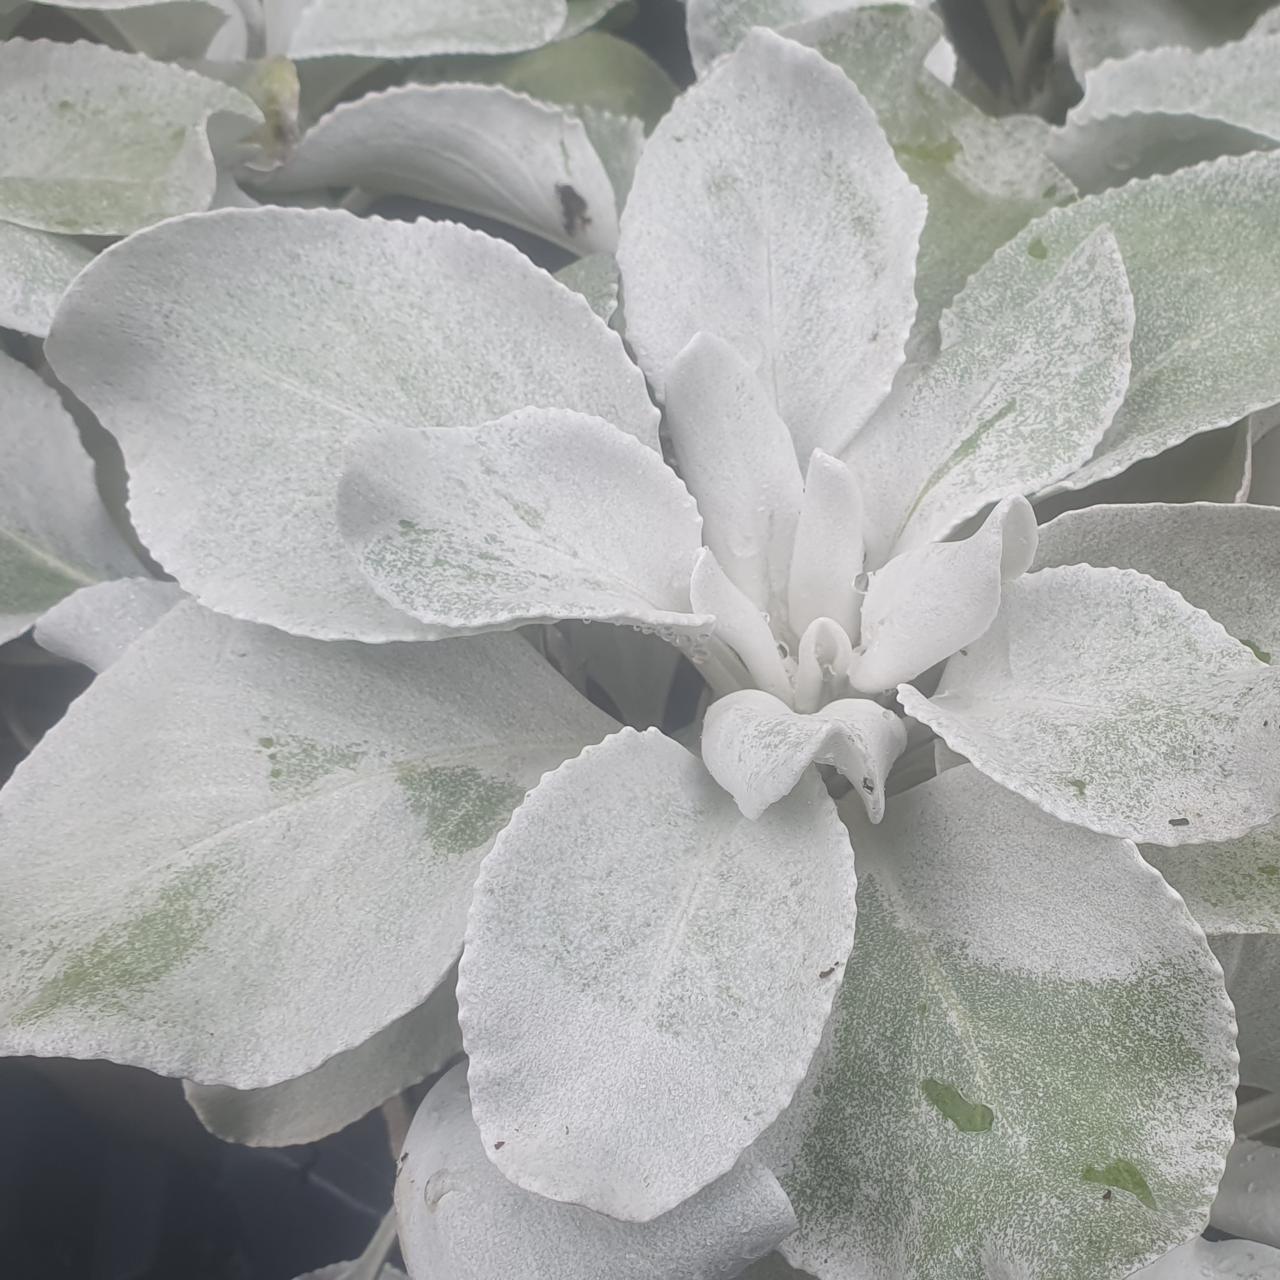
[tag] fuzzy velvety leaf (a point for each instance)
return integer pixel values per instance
(542, 515)
(1105, 698)
(727, 232)
(1016, 407)
(94, 625)
(928, 602)
(1223, 558)
(964, 1118)
(1162, 109)
(477, 147)
(647, 973)
(338, 1092)
(736, 456)
(1200, 1259)
(460, 1219)
(240, 852)
(1196, 246)
(235, 354)
(97, 141)
(55, 534)
(35, 270)
(757, 748)
(418, 28)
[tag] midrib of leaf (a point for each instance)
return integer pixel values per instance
(76, 576)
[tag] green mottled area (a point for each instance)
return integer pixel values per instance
(968, 1117)
(1258, 652)
(932, 152)
(1123, 1176)
(1037, 249)
(135, 953)
(961, 453)
(1077, 1075)
(1078, 785)
(463, 807)
(297, 763)
(31, 581)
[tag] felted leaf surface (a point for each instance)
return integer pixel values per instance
(94, 625)
(154, 877)
(338, 1092)
(927, 603)
(541, 515)
(1196, 248)
(984, 177)
(460, 1219)
(55, 534)
(101, 142)
(250, 346)
(1199, 1259)
(632, 929)
(964, 1118)
(1018, 406)
(477, 147)
(1094, 30)
(813, 290)
(1222, 558)
(736, 456)
(758, 749)
(594, 69)
(418, 28)
(1248, 1200)
(35, 270)
(1162, 109)
(1105, 698)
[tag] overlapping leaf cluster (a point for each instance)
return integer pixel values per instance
(924, 452)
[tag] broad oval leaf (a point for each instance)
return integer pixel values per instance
(1162, 109)
(452, 144)
(1016, 407)
(1197, 249)
(166, 29)
(252, 345)
(1105, 698)
(541, 515)
(419, 28)
(964, 1118)
(1223, 558)
(35, 270)
(814, 290)
(55, 534)
(94, 141)
(94, 625)
(632, 929)
(338, 1092)
(155, 920)
(460, 1219)
(758, 749)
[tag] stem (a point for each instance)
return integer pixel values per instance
(1258, 1115)
(368, 1265)
(1006, 34)
(1036, 41)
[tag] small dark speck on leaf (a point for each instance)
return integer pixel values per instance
(1106, 1196)
(573, 209)
(826, 973)
(497, 1146)
(964, 653)
(868, 786)
(1179, 822)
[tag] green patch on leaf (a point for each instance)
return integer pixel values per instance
(298, 763)
(1078, 785)
(1038, 249)
(129, 957)
(933, 153)
(1258, 652)
(463, 807)
(1123, 1176)
(968, 1117)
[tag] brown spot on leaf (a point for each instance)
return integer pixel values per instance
(826, 973)
(497, 1146)
(1179, 822)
